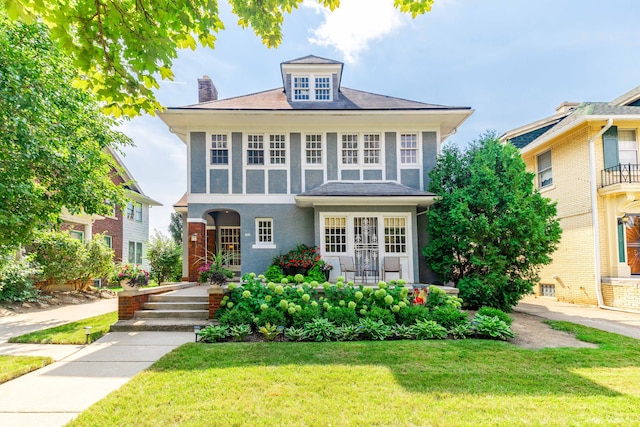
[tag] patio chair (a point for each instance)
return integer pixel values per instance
(391, 265)
(347, 266)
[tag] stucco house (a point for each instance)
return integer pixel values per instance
(310, 162)
(127, 230)
(585, 157)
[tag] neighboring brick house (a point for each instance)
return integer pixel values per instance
(585, 157)
(127, 230)
(311, 162)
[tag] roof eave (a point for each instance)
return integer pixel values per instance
(316, 201)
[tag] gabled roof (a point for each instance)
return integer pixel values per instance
(348, 99)
(629, 98)
(312, 59)
(131, 184)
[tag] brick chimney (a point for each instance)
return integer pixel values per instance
(206, 90)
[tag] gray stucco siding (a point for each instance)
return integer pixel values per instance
(350, 175)
(390, 155)
(410, 178)
(429, 155)
(219, 181)
(371, 175)
(277, 182)
(291, 226)
(255, 181)
(197, 152)
(236, 171)
(332, 156)
(296, 165)
(313, 178)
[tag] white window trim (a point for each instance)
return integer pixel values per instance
(312, 87)
(264, 245)
(209, 148)
(323, 151)
(538, 171)
(418, 150)
(361, 165)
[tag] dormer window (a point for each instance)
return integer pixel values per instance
(312, 88)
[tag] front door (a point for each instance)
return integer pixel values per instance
(365, 244)
(632, 228)
(230, 245)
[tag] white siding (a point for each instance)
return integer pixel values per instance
(136, 232)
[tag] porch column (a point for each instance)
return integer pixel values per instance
(197, 246)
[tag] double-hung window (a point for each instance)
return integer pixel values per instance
(311, 88)
(129, 210)
(323, 88)
(408, 148)
(137, 212)
(219, 150)
(350, 149)
(135, 252)
(371, 153)
(301, 88)
(313, 149)
(255, 150)
(335, 234)
(277, 150)
(545, 172)
(264, 231)
(395, 235)
(627, 147)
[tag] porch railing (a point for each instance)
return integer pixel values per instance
(620, 173)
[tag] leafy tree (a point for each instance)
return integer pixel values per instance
(175, 227)
(165, 258)
(121, 47)
(490, 230)
(53, 138)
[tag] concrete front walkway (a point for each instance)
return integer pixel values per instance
(618, 322)
(54, 395)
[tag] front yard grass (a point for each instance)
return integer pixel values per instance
(390, 383)
(13, 366)
(70, 333)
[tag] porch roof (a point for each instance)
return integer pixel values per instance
(375, 193)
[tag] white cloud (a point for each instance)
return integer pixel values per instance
(355, 24)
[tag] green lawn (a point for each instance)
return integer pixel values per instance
(70, 333)
(13, 366)
(394, 383)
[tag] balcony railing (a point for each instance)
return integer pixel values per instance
(618, 174)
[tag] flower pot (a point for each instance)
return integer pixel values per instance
(126, 286)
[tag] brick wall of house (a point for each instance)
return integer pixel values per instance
(112, 227)
(622, 295)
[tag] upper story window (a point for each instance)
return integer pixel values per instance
(313, 149)
(219, 150)
(129, 210)
(137, 213)
(371, 154)
(312, 88)
(301, 88)
(277, 150)
(255, 150)
(350, 149)
(627, 146)
(408, 149)
(545, 175)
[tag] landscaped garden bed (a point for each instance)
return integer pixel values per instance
(308, 311)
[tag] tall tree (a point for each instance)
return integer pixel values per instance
(122, 46)
(175, 227)
(52, 137)
(490, 230)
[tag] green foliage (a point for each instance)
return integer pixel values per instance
(55, 142)
(165, 258)
(429, 330)
(374, 329)
(239, 332)
(437, 298)
(98, 262)
(274, 274)
(306, 315)
(270, 332)
(496, 312)
(408, 315)
(382, 315)
(319, 329)
(123, 48)
(347, 333)
(491, 230)
(175, 227)
(272, 316)
(215, 271)
(491, 327)
(234, 317)
(448, 317)
(16, 280)
(70, 333)
(462, 330)
(404, 332)
(213, 333)
(294, 334)
(342, 316)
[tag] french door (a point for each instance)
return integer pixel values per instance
(230, 244)
(365, 245)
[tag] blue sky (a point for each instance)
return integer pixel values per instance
(512, 61)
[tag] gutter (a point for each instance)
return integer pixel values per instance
(594, 213)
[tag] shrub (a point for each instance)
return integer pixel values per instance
(270, 332)
(240, 332)
(213, 333)
(274, 274)
(342, 316)
(16, 280)
(448, 317)
(437, 298)
(60, 256)
(381, 314)
(404, 332)
(374, 329)
(271, 315)
(294, 334)
(491, 312)
(491, 327)
(234, 317)
(306, 315)
(320, 329)
(347, 333)
(462, 330)
(165, 258)
(428, 330)
(408, 315)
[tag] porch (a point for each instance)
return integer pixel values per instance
(621, 292)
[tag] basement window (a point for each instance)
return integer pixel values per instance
(547, 290)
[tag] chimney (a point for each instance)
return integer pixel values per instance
(206, 90)
(566, 106)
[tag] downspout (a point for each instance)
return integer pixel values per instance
(594, 212)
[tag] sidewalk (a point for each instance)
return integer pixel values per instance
(618, 322)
